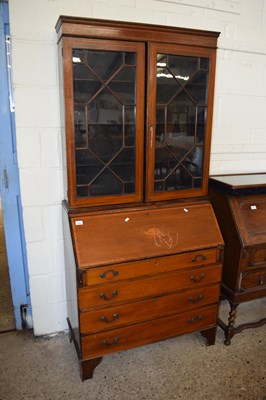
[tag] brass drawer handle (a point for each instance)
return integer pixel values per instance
(202, 256)
(202, 276)
(105, 319)
(115, 342)
(109, 271)
(195, 319)
(195, 301)
(103, 296)
(261, 280)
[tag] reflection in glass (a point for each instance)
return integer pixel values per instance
(130, 128)
(86, 83)
(182, 68)
(104, 84)
(80, 126)
(104, 63)
(181, 110)
(123, 86)
(197, 88)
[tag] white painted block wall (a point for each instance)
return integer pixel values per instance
(239, 124)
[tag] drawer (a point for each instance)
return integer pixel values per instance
(109, 294)
(253, 280)
(153, 266)
(256, 258)
(102, 343)
(113, 317)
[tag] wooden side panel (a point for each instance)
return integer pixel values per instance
(71, 282)
(131, 234)
(233, 249)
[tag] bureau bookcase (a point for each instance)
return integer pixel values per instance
(143, 250)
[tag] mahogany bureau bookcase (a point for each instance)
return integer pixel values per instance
(239, 202)
(143, 249)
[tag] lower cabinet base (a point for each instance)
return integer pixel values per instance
(93, 347)
(230, 330)
(87, 366)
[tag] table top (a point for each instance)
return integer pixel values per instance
(241, 181)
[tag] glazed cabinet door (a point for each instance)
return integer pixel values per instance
(180, 98)
(104, 113)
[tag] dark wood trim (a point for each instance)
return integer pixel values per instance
(216, 183)
(87, 367)
(209, 335)
(136, 206)
(97, 28)
(230, 330)
(73, 339)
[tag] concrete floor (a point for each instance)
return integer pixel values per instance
(180, 368)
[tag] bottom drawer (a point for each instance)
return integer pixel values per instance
(253, 280)
(99, 344)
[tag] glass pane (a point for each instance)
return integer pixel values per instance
(87, 167)
(78, 56)
(197, 88)
(86, 84)
(123, 85)
(173, 180)
(204, 63)
(198, 182)
(181, 116)
(183, 68)
(165, 163)
(161, 115)
(106, 141)
(130, 127)
(80, 126)
(124, 165)
(106, 184)
(196, 163)
(104, 109)
(185, 179)
(104, 63)
(130, 58)
(82, 191)
(104, 85)
(181, 111)
(201, 123)
(129, 187)
(167, 86)
(105, 126)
